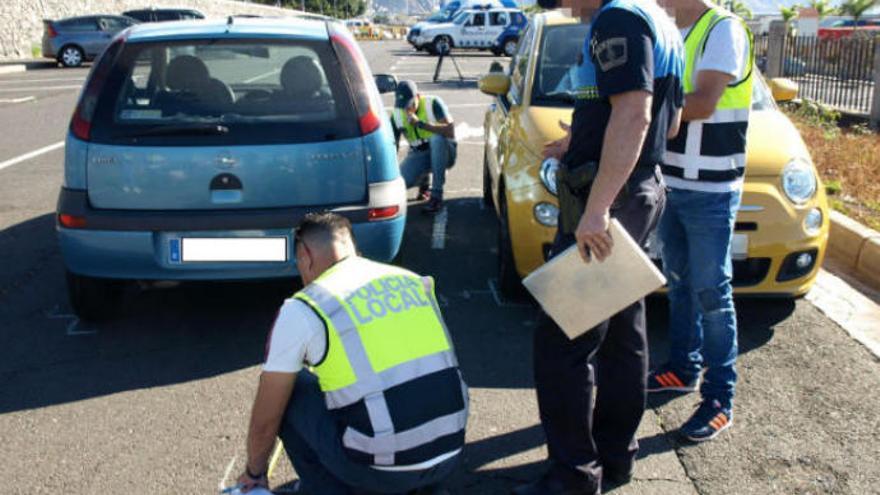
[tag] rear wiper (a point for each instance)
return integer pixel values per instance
(181, 130)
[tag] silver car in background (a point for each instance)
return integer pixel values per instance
(75, 40)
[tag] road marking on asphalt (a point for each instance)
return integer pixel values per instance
(25, 80)
(261, 76)
(226, 473)
(17, 100)
(499, 300)
(73, 328)
(464, 131)
(468, 105)
(849, 308)
(32, 154)
(438, 234)
(41, 88)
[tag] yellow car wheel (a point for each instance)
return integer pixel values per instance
(508, 279)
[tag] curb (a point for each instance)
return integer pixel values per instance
(857, 246)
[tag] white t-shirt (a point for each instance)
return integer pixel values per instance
(727, 49)
(297, 338)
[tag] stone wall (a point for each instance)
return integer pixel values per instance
(21, 21)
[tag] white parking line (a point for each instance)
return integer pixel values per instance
(261, 76)
(40, 88)
(32, 154)
(226, 473)
(438, 234)
(23, 80)
(17, 100)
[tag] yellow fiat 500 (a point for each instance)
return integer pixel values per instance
(782, 225)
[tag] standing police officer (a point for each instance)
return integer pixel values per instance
(704, 168)
(628, 105)
(427, 125)
(383, 407)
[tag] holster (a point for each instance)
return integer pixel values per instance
(573, 186)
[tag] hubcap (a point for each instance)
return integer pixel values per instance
(71, 56)
(510, 48)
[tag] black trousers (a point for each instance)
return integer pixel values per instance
(582, 433)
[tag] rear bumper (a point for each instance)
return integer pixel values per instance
(137, 245)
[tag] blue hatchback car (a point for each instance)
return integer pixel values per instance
(197, 146)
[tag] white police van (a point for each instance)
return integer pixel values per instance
(470, 29)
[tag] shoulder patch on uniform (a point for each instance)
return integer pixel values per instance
(611, 53)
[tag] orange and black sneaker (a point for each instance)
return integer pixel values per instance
(666, 380)
(710, 419)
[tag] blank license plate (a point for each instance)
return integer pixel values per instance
(234, 249)
(739, 247)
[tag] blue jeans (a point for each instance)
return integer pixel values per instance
(439, 156)
(312, 438)
(695, 235)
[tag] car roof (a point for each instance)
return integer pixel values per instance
(241, 27)
(555, 18)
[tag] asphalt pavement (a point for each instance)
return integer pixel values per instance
(157, 401)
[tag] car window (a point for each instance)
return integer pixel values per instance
(555, 73)
(498, 18)
(80, 24)
(113, 24)
(462, 18)
(477, 20)
(141, 15)
(167, 15)
(520, 64)
(261, 91)
(762, 98)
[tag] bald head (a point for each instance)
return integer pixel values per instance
(322, 240)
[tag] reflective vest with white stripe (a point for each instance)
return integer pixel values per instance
(425, 112)
(390, 372)
(711, 150)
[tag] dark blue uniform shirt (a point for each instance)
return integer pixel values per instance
(632, 45)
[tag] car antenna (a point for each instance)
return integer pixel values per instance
(229, 22)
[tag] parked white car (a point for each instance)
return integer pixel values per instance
(470, 28)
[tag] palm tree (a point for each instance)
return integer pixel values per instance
(788, 15)
(739, 8)
(823, 7)
(856, 8)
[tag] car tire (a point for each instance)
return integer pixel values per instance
(487, 183)
(509, 46)
(71, 56)
(442, 45)
(94, 299)
(509, 283)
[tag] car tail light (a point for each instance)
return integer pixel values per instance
(367, 101)
(81, 122)
(50, 29)
(383, 213)
(71, 221)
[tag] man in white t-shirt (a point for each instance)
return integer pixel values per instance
(703, 168)
(382, 406)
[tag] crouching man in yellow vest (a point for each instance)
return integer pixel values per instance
(427, 125)
(381, 407)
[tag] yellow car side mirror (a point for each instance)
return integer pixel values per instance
(495, 84)
(783, 89)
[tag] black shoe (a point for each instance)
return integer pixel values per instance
(424, 192)
(612, 479)
(560, 481)
(434, 206)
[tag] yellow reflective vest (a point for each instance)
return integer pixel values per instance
(425, 112)
(712, 150)
(390, 371)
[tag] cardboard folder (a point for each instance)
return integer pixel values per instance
(579, 296)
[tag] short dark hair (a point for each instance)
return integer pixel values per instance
(324, 228)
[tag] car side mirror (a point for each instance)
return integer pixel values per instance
(386, 83)
(783, 89)
(495, 84)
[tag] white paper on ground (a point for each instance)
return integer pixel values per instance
(579, 296)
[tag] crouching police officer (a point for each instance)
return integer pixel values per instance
(383, 406)
(628, 103)
(426, 123)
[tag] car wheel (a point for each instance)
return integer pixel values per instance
(510, 47)
(94, 299)
(442, 45)
(487, 183)
(509, 283)
(71, 56)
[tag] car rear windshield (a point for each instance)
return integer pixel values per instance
(225, 92)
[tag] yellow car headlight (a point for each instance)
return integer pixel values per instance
(799, 181)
